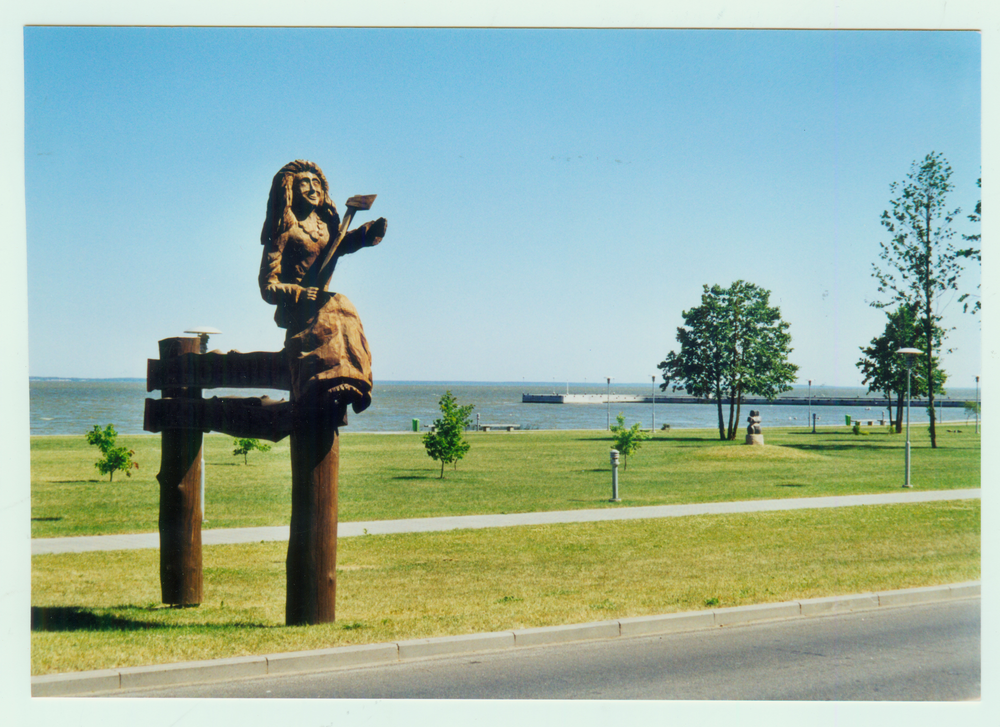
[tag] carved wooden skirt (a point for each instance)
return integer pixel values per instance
(330, 350)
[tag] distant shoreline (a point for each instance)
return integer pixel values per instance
(875, 396)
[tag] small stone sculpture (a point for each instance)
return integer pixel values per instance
(754, 435)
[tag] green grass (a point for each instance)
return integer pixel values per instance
(102, 610)
(388, 476)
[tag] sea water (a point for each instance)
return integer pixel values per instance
(73, 406)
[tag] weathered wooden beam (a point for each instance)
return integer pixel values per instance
(256, 370)
(259, 417)
(311, 565)
(180, 498)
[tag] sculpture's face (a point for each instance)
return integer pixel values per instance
(309, 188)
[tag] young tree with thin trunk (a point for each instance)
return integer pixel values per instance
(919, 262)
(627, 439)
(446, 442)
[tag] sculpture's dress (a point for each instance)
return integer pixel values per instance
(324, 340)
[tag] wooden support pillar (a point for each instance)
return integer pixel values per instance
(180, 497)
(311, 565)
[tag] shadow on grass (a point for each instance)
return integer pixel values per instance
(74, 618)
(714, 440)
(842, 447)
(46, 519)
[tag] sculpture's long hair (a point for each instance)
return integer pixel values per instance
(280, 218)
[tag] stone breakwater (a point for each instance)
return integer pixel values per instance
(781, 401)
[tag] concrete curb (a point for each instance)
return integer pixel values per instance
(108, 681)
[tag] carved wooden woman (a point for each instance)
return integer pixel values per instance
(330, 367)
(324, 341)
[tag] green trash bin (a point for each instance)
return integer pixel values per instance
(416, 425)
(847, 419)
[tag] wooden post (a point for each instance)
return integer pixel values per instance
(311, 565)
(180, 497)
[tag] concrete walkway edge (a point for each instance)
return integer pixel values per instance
(107, 681)
(224, 536)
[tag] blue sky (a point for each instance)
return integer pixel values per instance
(556, 198)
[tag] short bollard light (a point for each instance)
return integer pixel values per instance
(614, 476)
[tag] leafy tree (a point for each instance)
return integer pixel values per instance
(972, 409)
(734, 345)
(701, 364)
(885, 371)
(627, 439)
(919, 263)
(973, 252)
(114, 458)
(445, 442)
(246, 446)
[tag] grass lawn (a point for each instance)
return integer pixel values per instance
(102, 610)
(388, 476)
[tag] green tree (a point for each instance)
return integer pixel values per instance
(627, 439)
(973, 252)
(919, 262)
(446, 442)
(245, 446)
(114, 458)
(972, 409)
(733, 345)
(884, 370)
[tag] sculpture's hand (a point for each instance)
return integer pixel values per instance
(377, 230)
(311, 293)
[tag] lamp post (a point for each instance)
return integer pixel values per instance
(652, 401)
(908, 354)
(203, 332)
(609, 402)
(811, 406)
(977, 405)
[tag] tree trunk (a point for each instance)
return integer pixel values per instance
(739, 404)
(929, 327)
(899, 412)
(930, 392)
(730, 432)
(722, 420)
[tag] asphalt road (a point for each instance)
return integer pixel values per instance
(926, 652)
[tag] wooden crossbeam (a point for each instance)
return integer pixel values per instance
(258, 417)
(256, 370)
(181, 415)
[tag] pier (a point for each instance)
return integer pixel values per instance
(751, 401)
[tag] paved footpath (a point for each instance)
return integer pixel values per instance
(224, 536)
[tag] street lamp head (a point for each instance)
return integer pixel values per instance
(203, 332)
(909, 354)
